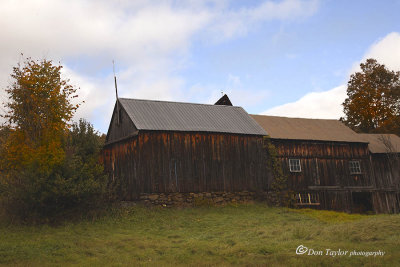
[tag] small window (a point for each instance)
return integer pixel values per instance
(354, 166)
(307, 199)
(294, 165)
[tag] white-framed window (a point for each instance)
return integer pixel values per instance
(307, 199)
(294, 165)
(354, 166)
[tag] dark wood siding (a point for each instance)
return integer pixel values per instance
(386, 172)
(324, 163)
(386, 201)
(186, 162)
(121, 128)
(325, 171)
(336, 200)
(386, 169)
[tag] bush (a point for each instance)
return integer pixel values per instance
(77, 183)
(47, 165)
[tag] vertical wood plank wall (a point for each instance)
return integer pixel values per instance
(186, 162)
(156, 162)
(386, 168)
(386, 171)
(120, 126)
(324, 163)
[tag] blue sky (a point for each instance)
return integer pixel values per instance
(288, 58)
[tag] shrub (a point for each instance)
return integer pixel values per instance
(47, 165)
(76, 183)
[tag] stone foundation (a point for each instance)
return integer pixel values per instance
(207, 198)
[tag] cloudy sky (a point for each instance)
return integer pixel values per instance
(285, 57)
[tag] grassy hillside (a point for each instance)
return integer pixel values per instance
(232, 235)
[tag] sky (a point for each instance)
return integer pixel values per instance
(285, 58)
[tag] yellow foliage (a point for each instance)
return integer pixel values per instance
(39, 112)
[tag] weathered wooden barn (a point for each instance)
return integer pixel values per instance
(328, 165)
(385, 160)
(162, 147)
(159, 147)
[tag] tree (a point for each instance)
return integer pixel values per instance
(373, 103)
(48, 164)
(39, 113)
(82, 179)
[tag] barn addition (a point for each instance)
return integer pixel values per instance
(327, 164)
(385, 159)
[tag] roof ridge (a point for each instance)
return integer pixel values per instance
(175, 102)
(307, 129)
(298, 118)
(182, 116)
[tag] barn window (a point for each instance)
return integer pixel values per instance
(294, 165)
(307, 199)
(355, 167)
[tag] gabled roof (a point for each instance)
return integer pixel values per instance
(307, 129)
(175, 116)
(382, 143)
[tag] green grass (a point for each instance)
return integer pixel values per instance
(233, 235)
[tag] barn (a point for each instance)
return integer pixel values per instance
(327, 164)
(164, 147)
(385, 160)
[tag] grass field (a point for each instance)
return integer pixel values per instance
(233, 235)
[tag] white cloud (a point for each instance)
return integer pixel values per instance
(149, 41)
(385, 51)
(230, 23)
(323, 105)
(96, 28)
(129, 31)
(90, 93)
(328, 104)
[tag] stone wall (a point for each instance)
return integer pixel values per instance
(207, 198)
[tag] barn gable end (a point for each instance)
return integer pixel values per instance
(121, 125)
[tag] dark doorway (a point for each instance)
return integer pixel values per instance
(362, 202)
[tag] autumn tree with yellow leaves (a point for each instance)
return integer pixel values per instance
(42, 173)
(373, 102)
(38, 113)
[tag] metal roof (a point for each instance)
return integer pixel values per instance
(307, 129)
(176, 116)
(382, 143)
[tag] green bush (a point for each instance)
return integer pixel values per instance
(76, 184)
